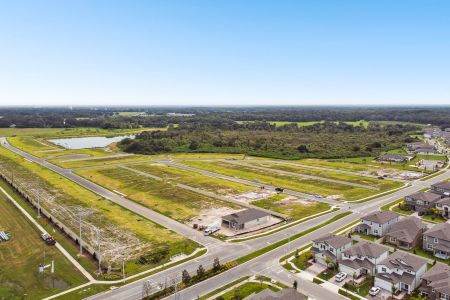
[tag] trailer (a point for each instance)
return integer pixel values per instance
(212, 228)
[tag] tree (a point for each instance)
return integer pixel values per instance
(185, 277)
(296, 253)
(193, 145)
(295, 284)
(303, 149)
(354, 277)
(393, 290)
(237, 294)
(200, 271)
(216, 264)
(328, 261)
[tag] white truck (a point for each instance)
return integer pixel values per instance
(211, 228)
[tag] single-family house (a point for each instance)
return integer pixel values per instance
(422, 201)
(443, 205)
(396, 158)
(401, 270)
(437, 240)
(245, 219)
(406, 233)
(415, 145)
(436, 282)
(377, 223)
(442, 188)
(330, 246)
(362, 258)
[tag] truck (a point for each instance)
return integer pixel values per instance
(211, 228)
(49, 240)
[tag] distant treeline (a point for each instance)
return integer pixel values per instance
(321, 140)
(133, 117)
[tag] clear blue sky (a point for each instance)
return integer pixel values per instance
(224, 52)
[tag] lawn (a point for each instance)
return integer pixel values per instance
(281, 203)
(362, 289)
(161, 196)
(176, 175)
(309, 186)
(360, 164)
(21, 255)
(301, 261)
(120, 228)
(246, 290)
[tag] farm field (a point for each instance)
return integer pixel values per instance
(124, 235)
(21, 256)
(309, 186)
(291, 206)
(162, 196)
(175, 175)
(380, 184)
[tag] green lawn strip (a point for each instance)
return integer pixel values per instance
(275, 245)
(229, 285)
(433, 218)
(347, 294)
(359, 164)
(22, 254)
(317, 280)
(286, 181)
(284, 227)
(246, 290)
(362, 290)
(379, 195)
(346, 227)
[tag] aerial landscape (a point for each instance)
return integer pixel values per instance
(224, 150)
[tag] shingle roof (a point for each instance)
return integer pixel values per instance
(380, 217)
(442, 185)
(440, 231)
(426, 196)
(404, 261)
(366, 249)
(407, 229)
(444, 201)
(335, 241)
(439, 275)
(245, 216)
(389, 156)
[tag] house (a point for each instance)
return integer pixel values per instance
(402, 271)
(442, 188)
(362, 258)
(422, 201)
(284, 294)
(413, 146)
(377, 223)
(406, 233)
(430, 165)
(397, 158)
(437, 240)
(330, 246)
(433, 132)
(436, 282)
(443, 205)
(245, 219)
(425, 150)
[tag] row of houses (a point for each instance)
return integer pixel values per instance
(436, 132)
(437, 198)
(421, 148)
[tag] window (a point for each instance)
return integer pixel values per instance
(430, 246)
(424, 237)
(436, 240)
(392, 239)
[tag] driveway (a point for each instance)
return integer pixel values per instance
(316, 269)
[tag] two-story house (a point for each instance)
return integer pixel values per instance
(443, 205)
(362, 258)
(406, 233)
(442, 188)
(437, 240)
(422, 201)
(402, 271)
(436, 282)
(377, 223)
(330, 246)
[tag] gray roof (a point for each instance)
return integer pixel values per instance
(245, 216)
(425, 196)
(390, 156)
(444, 201)
(380, 217)
(366, 249)
(440, 231)
(407, 229)
(357, 263)
(442, 185)
(335, 241)
(404, 261)
(285, 294)
(439, 277)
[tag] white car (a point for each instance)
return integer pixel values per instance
(374, 291)
(341, 276)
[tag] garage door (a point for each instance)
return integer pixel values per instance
(346, 269)
(386, 285)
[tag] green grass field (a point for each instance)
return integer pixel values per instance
(163, 197)
(293, 208)
(382, 185)
(361, 164)
(114, 221)
(21, 255)
(247, 289)
(310, 186)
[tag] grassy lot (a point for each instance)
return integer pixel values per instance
(164, 197)
(247, 289)
(381, 184)
(21, 255)
(293, 208)
(175, 175)
(117, 224)
(310, 186)
(360, 164)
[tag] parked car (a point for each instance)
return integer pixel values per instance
(278, 189)
(341, 276)
(374, 290)
(49, 240)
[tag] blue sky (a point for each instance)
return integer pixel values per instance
(224, 52)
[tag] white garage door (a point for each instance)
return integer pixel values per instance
(347, 270)
(386, 285)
